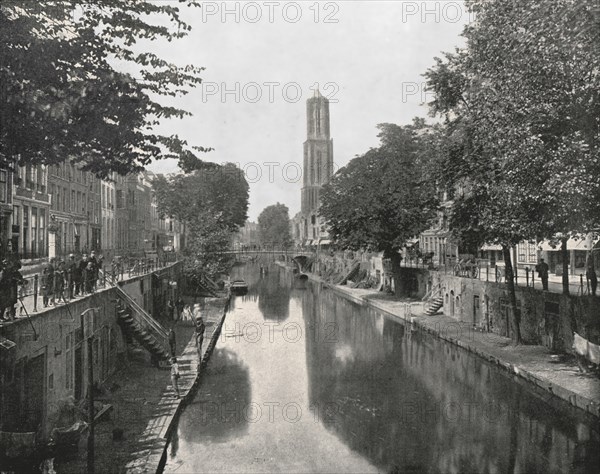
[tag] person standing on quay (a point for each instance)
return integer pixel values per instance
(82, 265)
(88, 277)
(59, 282)
(542, 269)
(592, 276)
(72, 269)
(94, 261)
(179, 305)
(200, 329)
(172, 342)
(47, 285)
(175, 376)
(171, 310)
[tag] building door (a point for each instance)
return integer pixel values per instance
(451, 303)
(476, 310)
(78, 372)
(33, 401)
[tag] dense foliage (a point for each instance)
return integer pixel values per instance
(385, 197)
(65, 92)
(213, 204)
(522, 109)
(274, 226)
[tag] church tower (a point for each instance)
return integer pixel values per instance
(318, 164)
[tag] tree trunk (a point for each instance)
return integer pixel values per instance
(514, 317)
(395, 258)
(565, 265)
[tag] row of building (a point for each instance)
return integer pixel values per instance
(55, 210)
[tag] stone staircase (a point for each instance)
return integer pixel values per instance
(434, 305)
(434, 301)
(142, 327)
(142, 335)
(353, 271)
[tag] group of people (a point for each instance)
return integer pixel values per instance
(175, 309)
(10, 279)
(75, 277)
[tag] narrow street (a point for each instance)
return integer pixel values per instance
(303, 380)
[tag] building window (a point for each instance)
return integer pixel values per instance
(29, 182)
(42, 235)
(41, 187)
(3, 186)
(521, 253)
(25, 227)
(318, 119)
(319, 167)
(34, 224)
(532, 252)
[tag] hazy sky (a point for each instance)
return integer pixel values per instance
(368, 57)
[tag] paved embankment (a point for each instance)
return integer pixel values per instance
(150, 455)
(553, 377)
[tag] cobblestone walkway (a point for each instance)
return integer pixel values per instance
(147, 456)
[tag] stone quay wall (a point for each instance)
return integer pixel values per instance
(44, 376)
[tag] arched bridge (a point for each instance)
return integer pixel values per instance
(302, 258)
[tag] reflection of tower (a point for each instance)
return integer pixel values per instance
(318, 164)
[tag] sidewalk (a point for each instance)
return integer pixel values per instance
(553, 377)
(577, 283)
(144, 406)
(32, 305)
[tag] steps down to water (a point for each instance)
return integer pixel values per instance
(142, 335)
(353, 271)
(434, 305)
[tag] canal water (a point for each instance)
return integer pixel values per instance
(302, 380)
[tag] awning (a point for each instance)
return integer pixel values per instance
(572, 244)
(435, 233)
(491, 247)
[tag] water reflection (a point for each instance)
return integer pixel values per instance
(410, 402)
(305, 381)
(217, 408)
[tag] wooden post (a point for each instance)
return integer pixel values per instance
(90, 377)
(35, 292)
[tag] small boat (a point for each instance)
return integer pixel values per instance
(238, 287)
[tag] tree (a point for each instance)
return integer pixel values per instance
(274, 226)
(64, 92)
(213, 202)
(521, 107)
(543, 60)
(386, 196)
(219, 191)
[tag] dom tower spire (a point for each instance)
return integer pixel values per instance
(318, 164)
